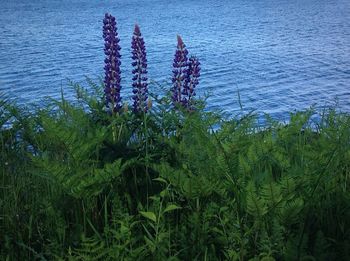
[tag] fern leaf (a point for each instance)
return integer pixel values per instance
(290, 211)
(271, 193)
(255, 205)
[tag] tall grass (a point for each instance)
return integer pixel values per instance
(80, 184)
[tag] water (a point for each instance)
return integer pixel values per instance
(281, 55)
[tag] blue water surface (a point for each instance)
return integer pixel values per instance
(281, 55)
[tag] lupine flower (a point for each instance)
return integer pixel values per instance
(112, 64)
(139, 63)
(180, 67)
(191, 81)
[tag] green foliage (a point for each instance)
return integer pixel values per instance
(80, 184)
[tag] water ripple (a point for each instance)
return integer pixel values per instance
(279, 55)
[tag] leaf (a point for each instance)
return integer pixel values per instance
(289, 213)
(161, 180)
(271, 193)
(256, 206)
(149, 215)
(150, 244)
(171, 208)
(163, 193)
(223, 209)
(288, 185)
(243, 164)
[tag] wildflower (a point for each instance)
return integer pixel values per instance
(180, 67)
(139, 63)
(191, 81)
(112, 64)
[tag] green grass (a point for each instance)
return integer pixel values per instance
(79, 184)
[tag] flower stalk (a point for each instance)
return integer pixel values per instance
(180, 67)
(140, 85)
(112, 78)
(191, 81)
(186, 73)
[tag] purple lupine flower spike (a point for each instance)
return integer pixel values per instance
(112, 64)
(179, 71)
(139, 63)
(191, 81)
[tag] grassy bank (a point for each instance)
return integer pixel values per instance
(80, 184)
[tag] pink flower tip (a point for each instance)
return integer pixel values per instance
(137, 29)
(179, 41)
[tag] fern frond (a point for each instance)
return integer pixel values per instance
(256, 206)
(271, 193)
(290, 211)
(91, 249)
